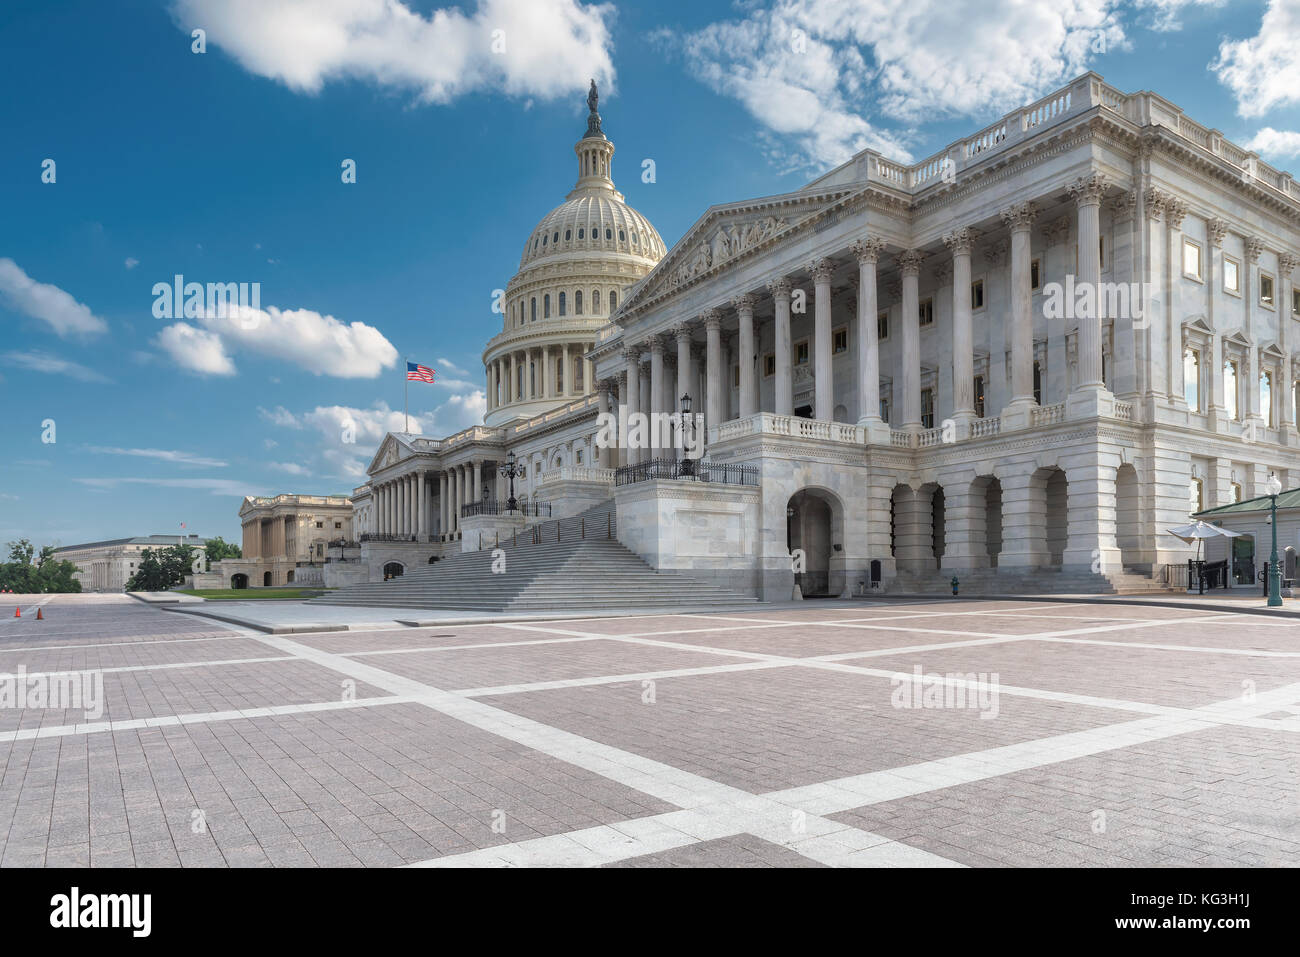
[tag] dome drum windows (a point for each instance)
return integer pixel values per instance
(577, 303)
(562, 304)
(546, 306)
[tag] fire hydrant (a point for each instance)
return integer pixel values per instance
(955, 583)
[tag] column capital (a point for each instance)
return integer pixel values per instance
(821, 270)
(1254, 246)
(1175, 210)
(681, 331)
(745, 302)
(1020, 216)
(1287, 262)
(961, 241)
(1088, 190)
(867, 249)
(780, 287)
(1155, 202)
(1125, 206)
(712, 319)
(631, 354)
(656, 344)
(1217, 229)
(1057, 231)
(909, 262)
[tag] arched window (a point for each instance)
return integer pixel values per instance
(622, 237)
(543, 240)
(562, 305)
(534, 308)
(556, 239)
(595, 302)
(568, 234)
(609, 233)
(581, 233)
(613, 301)
(577, 303)
(546, 306)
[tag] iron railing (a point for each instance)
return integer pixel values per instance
(390, 537)
(536, 509)
(689, 470)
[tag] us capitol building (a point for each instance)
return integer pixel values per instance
(1018, 361)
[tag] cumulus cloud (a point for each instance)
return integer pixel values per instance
(1276, 144)
(1165, 14)
(1263, 71)
(542, 48)
(811, 71)
(290, 468)
(320, 344)
(37, 361)
(162, 455)
(132, 262)
(215, 486)
(48, 303)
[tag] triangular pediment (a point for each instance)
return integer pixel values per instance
(726, 233)
(1272, 350)
(1198, 324)
(391, 451)
(1238, 338)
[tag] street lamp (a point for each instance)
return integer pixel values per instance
(688, 464)
(1274, 572)
(509, 471)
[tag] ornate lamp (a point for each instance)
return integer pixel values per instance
(1274, 486)
(509, 471)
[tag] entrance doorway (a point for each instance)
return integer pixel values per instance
(810, 533)
(393, 570)
(239, 581)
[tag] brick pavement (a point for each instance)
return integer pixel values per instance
(1122, 735)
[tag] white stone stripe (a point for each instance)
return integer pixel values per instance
(617, 679)
(167, 721)
(4, 675)
(473, 647)
(1248, 652)
(117, 644)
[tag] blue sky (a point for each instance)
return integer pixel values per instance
(225, 167)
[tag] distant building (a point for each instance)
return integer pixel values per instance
(106, 566)
(286, 541)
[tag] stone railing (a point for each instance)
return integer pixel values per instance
(1047, 415)
(929, 438)
(769, 423)
(1124, 410)
(900, 439)
(577, 473)
(475, 433)
(540, 420)
(980, 428)
(1086, 92)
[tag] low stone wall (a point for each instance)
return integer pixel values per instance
(574, 489)
(484, 531)
(706, 530)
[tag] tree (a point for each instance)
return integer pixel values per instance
(160, 569)
(43, 575)
(218, 549)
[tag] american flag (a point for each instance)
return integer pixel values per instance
(418, 373)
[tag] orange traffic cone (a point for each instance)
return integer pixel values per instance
(18, 613)
(39, 615)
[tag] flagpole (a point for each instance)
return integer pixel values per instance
(406, 394)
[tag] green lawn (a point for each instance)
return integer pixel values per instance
(245, 594)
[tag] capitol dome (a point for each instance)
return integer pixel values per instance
(576, 264)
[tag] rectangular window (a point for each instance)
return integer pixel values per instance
(1038, 383)
(1230, 388)
(769, 364)
(1192, 260)
(882, 326)
(801, 352)
(1266, 398)
(839, 341)
(884, 410)
(1035, 274)
(1295, 302)
(1265, 289)
(979, 396)
(1196, 496)
(1192, 379)
(338, 524)
(927, 408)
(977, 294)
(1231, 276)
(320, 524)
(926, 312)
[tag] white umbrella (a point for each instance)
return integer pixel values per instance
(1199, 530)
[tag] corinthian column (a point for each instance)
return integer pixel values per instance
(910, 266)
(867, 252)
(780, 289)
(715, 375)
(632, 358)
(748, 387)
(656, 374)
(1087, 193)
(823, 386)
(959, 243)
(1020, 218)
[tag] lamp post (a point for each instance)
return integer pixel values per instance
(1274, 572)
(685, 422)
(509, 471)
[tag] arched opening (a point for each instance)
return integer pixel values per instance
(266, 579)
(937, 529)
(239, 580)
(1288, 563)
(289, 576)
(986, 523)
(812, 522)
(917, 528)
(1127, 516)
(393, 570)
(1057, 495)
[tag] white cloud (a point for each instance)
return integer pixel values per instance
(446, 365)
(196, 350)
(810, 71)
(1165, 13)
(280, 416)
(215, 486)
(320, 344)
(132, 262)
(50, 304)
(551, 46)
(44, 362)
(290, 468)
(162, 455)
(1277, 144)
(1263, 71)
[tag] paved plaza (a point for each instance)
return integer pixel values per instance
(918, 733)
